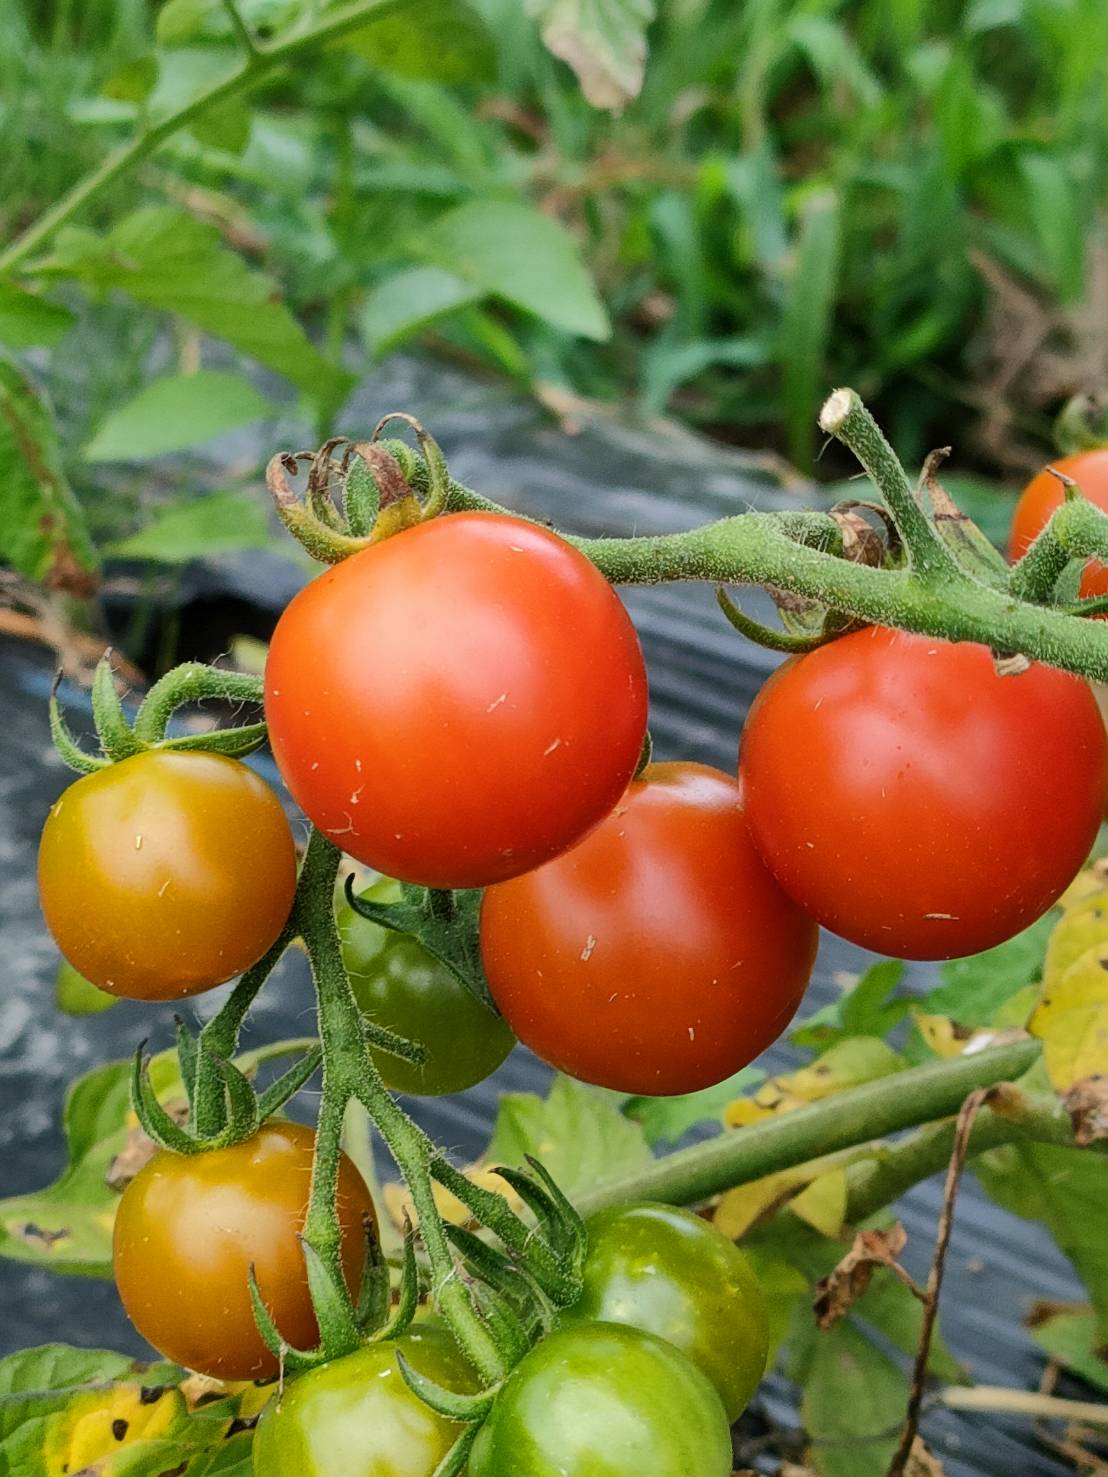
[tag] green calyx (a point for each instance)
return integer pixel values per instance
(119, 739)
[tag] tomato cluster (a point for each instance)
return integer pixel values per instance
(463, 705)
(664, 1348)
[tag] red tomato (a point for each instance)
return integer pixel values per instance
(1044, 493)
(658, 956)
(914, 801)
(459, 703)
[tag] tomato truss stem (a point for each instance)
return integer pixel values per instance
(934, 594)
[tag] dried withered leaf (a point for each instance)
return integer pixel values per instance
(1087, 1104)
(837, 1293)
(923, 1463)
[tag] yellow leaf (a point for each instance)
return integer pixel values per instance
(1082, 927)
(741, 1207)
(93, 1428)
(1091, 880)
(944, 1036)
(1072, 1019)
(823, 1203)
(848, 1064)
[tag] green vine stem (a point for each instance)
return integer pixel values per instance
(933, 594)
(259, 61)
(349, 1072)
(902, 1100)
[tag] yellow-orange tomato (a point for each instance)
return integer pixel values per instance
(189, 1228)
(166, 874)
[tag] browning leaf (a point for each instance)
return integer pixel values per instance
(837, 1293)
(923, 1463)
(1087, 1104)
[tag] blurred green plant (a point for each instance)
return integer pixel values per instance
(781, 194)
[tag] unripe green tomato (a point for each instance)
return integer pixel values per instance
(665, 1270)
(601, 1400)
(400, 985)
(355, 1417)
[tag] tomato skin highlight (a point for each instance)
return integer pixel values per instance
(355, 1417)
(401, 986)
(915, 802)
(658, 956)
(458, 703)
(166, 874)
(189, 1227)
(601, 1400)
(672, 1274)
(1044, 493)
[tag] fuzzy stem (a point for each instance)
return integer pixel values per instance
(846, 418)
(349, 1072)
(755, 548)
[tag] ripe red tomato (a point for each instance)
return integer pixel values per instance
(658, 956)
(166, 874)
(914, 801)
(1089, 469)
(459, 703)
(189, 1228)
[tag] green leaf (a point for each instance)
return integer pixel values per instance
(171, 261)
(27, 320)
(834, 57)
(604, 41)
(1052, 207)
(864, 1010)
(220, 523)
(854, 1395)
(175, 412)
(181, 22)
(890, 1308)
(76, 995)
(68, 1226)
(1071, 1336)
(1066, 1189)
(226, 127)
(807, 319)
(42, 528)
(667, 1119)
(513, 252)
(973, 990)
(578, 1132)
(134, 81)
(435, 40)
(410, 299)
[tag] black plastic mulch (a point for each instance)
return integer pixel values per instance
(605, 478)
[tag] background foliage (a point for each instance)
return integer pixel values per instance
(730, 207)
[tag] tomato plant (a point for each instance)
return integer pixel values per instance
(915, 801)
(166, 874)
(355, 1417)
(459, 703)
(190, 1227)
(606, 1399)
(398, 984)
(1045, 493)
(667, 1271)
(658, 956)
